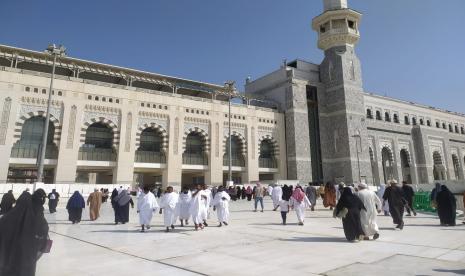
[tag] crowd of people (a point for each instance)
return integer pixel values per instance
(356, 205)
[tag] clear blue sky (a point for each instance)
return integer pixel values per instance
(410, 49)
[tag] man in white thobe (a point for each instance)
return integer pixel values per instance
(146, 206)
(368, 217)
(184, 206)
(168, 204)
(221, 204)
(276, 195)
(197, 207)
(208, 200)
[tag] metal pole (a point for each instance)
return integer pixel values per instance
(40, 170)
(230, 140)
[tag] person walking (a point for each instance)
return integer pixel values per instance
(168, 204)
(248, 193)
(74, 206)
(259, 193)
(395, 198)
(329, 197)
(368, 215)
(184, 205)
(299, 202)
(447, 206)
(348, 208)
(276, 196)
(23, 235)
(123, 200)
(94, 201)
(312, 195)
(221, 205)
(53, 199)
(409, 194)
(146, 205)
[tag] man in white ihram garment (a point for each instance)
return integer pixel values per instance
(197, 207)
(368, 217)
(184, 206)
(208, 200)
(146, 205)
(299, 202)
(221, 204)
(276, 195)
(168, 204)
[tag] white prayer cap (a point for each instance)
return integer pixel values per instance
(393, 182)
(363, 185)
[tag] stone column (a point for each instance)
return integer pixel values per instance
(10, 106)
(69, 144)
(252, 152)
(214, 175)
(173, 173)
(126, 151)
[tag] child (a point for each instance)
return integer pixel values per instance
(169, 202)
(284, 207)
(146, 206)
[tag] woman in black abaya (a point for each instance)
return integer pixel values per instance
(447, 206)
(122, 202)
(23, 235)
(75, 205)
(350, 205)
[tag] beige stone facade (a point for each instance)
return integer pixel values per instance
(124, 103)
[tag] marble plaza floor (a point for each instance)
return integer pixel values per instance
(253, 244)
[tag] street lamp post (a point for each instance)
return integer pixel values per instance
(55, 52)
(230, 85)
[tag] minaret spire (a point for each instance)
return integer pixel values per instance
(334, 4)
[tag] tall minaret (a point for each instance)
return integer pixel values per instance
(343, 130)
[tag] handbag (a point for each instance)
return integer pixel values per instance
(48, 246)
(342, 214)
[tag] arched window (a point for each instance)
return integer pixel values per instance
(414, 121)
(374, 171)
(195, 150)
(405, 165)
(267, 158)
(150, 148)
(456, 163)
(422, 122)
(388, 166)
(98, 144)
(439, 171)
(462, 130)
(369, 114)
(406, 120)
(387, 117)
(444, 126)
(450, 128)
(456, 129)
(30, 142)
(237, 159)
(438, 125)
(378, 115)
(428, 123)
(396, 118)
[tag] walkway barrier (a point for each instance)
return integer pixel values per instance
(422, 202)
